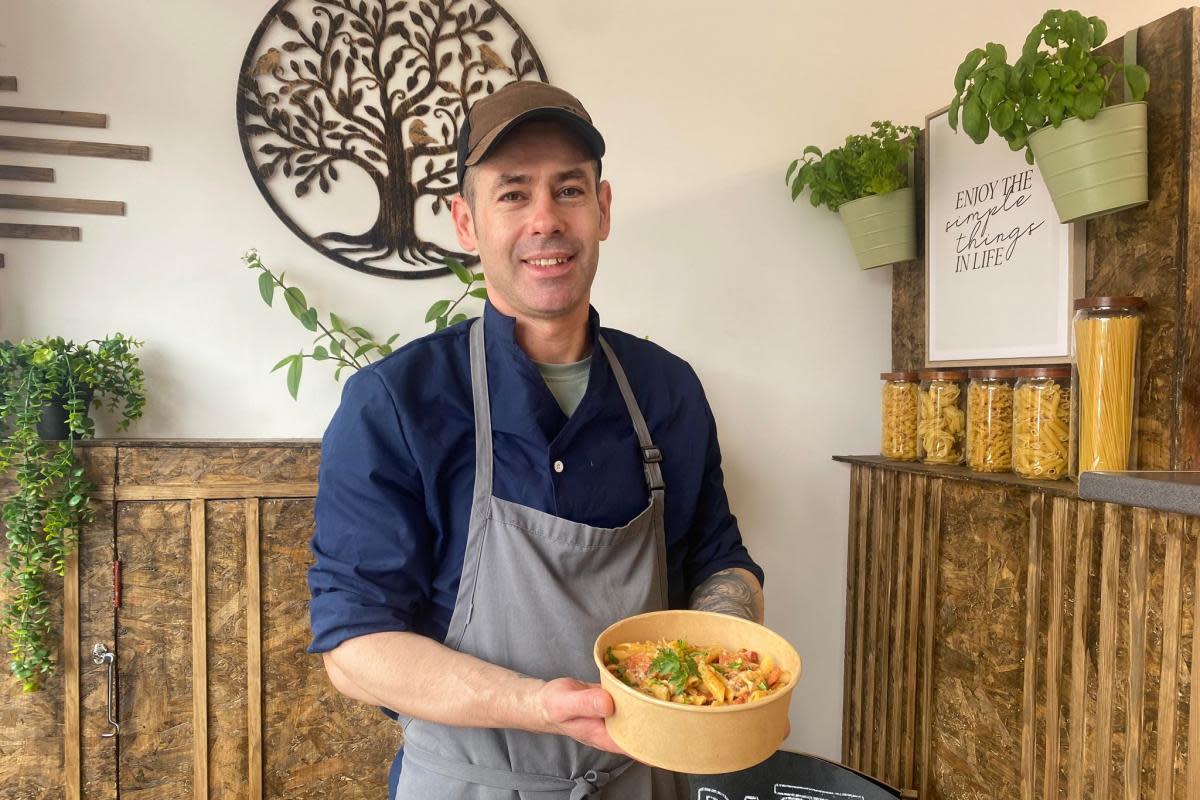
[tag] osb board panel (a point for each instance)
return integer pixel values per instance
(154, 651)
(1148, 251)
(908, 287)
(31, 724)
(205, 466)
(97, 620)
(318, 744)
(979, 642)
(227, 735)
(1189, 340)
(1138, 251)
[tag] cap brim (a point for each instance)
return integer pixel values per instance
(586, 131)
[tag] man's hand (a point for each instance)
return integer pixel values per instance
(577, 709)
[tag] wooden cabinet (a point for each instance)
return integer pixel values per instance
(1005, 639)
(216, 696)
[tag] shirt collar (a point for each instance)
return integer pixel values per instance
(521, 402)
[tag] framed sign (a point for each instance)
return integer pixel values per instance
(1001, 270)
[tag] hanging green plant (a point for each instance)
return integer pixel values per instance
(52, 499)
(351, 346)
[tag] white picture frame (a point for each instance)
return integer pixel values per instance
(1001, 271)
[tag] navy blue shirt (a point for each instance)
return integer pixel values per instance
(398, 469)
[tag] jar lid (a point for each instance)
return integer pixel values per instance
(942, 375)
(1121, 302)
(992, 373)
(908, 375)
(1044, 372)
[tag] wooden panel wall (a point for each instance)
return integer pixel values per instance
(1150, 251)
(217, 697)
(1052, 649)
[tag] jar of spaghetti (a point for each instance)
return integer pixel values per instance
(989, 420)
(898, 440)
(941, 417)
(1105, 382)
(1041, 443)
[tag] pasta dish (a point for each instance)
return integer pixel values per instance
(701, 676)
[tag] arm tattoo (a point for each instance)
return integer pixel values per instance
(732, 591)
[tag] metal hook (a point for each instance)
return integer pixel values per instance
(102, 655)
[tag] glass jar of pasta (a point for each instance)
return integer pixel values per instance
(898, 441)
(989, 420)
(1042, 422)
(941, 419)
(1105, 382)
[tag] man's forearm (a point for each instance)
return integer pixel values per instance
(733, 591)
(417, 677)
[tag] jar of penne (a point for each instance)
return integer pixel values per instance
(941, 417)
(989, 420)
(1041, 439)
(1105, 382)
(898, 440)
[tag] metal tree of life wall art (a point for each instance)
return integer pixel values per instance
(349, 112)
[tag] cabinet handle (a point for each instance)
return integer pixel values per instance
(102, 655)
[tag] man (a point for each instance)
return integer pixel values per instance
(494, 495)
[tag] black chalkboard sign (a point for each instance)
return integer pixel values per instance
(790, 776)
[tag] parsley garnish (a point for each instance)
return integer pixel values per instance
(675, 665)
(762, 685)
(609, 658)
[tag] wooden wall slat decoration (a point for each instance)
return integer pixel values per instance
(1032, 588)
(933, 533)
(900, 570)
(1109, 576)
(53, 233)
(13, 172)
(872, 674)
(1055, 600)
(884, 629)
(1077, 775)
(853, 618)
(1137, 653)
(64, 147)
(199, 639)
(8, 83)
(228, 625)
(1169, 671)
(47, 116)
(68, 205)
(913, 641)
(254, 729)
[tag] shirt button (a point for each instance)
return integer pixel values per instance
(558, 466)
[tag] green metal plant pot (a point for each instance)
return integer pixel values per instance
(882, 227)
(1097, 166)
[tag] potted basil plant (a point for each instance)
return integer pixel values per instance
(46, 388)
(1052, 104)
(866, 181)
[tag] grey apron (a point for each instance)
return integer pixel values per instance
(536, 590)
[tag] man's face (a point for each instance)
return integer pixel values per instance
(537, 220)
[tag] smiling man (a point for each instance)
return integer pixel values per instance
(494, 495)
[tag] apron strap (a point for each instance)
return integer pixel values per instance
(651, 455)
(483, 420)
(587, 785)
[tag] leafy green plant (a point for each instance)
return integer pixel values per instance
(1044, 87)
(867, 164)
(350, 346)
(51, 502)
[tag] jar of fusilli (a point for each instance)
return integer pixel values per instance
(898, 440)
(989, 420)
(941, 417)
(1042, 422)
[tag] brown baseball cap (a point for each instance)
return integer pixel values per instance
(492, 117)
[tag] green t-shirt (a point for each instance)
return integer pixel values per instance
(567, 382)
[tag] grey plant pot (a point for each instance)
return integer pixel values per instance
(882, 227)
(1097, 166)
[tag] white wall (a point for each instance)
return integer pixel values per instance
(703, 104)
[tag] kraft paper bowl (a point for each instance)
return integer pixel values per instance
(698, 740)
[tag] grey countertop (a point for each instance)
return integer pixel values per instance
(1165, 490)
